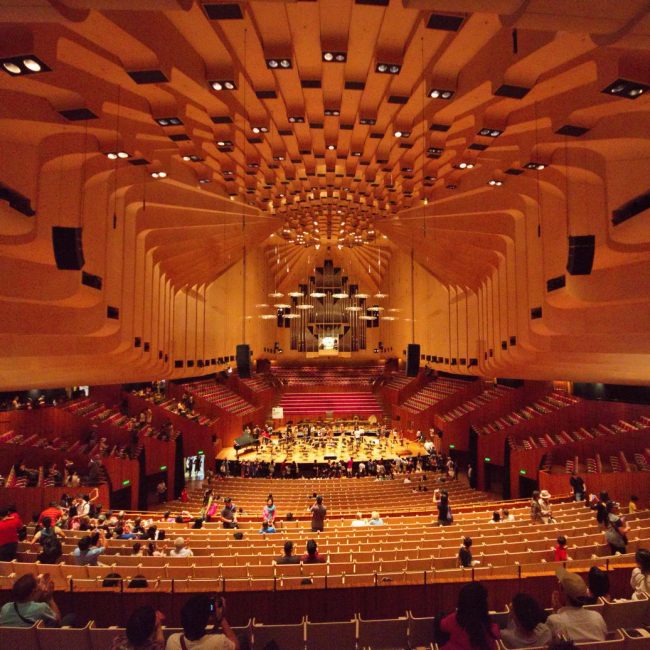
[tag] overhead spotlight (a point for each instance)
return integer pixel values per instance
(223, 84)
(464, 165)
(17, 66)
(388, 68)
(490, 133)
(228, 172)
(278, 64)
(295, 119)
(438, 93)
(204, 181)
(224, 143)
(169, 121)
(278, 158)
(332, 112)
(317, 294)
(380, 295)
(260, 129)
(367, 121)
(253, 165)
(158, 174)
(295, 294)
(114, 155)
(357, 154)
(627, 89)
(435, 151)
(334, 57)
(535, 165)
(331, 147)
(402, 134)
(495, 183)
(305, 306)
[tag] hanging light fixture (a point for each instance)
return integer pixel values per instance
(290, 316)
(276, 294)
(379, 294)
(354, 308)
(367, 317)
(362, 295)
(282, 305)
(305, 306)
(376, 308)
(388, 318)
(268, 316)
(317, 294)
(295, 294)
(340, 295)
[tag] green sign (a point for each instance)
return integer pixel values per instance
(200, 452)
(452, 446)
(127, 482)
(487, 459)
(522, 471)
(163, 467)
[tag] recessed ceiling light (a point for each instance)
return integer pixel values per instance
(627, 89)
(223, 84)
(169, 121)
(535, 165)
(367, 121)
(157, 174)
(16, 66)
(335, 57)
(388, 68)
(495, 183)
(278, 64)
(490, 133)
(464, 165)
(295, 119)
(330, 147)
(438, 93)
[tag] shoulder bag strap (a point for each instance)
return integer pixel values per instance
(22, 618)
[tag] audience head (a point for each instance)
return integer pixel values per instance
(23, 588)
(642, 557)
(467, 542)
(269, 500)
(319, 500)
(634, 498)
(195, 615)
(374, 515)
(598, 581)
(312, 547)
(47, 522)
(472, 613)
(179, 543)
(496, 516)
(505, 513)
(136, 548)
(604, 496)
(84, 543)
(561, 540)
(535, 495)
(572, 587)
(527, 612)
(288, 548)
(141, 625)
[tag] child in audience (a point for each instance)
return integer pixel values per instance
(640, 579)
(632, 506)
(560, 549)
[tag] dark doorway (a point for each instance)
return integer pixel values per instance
(527, 486)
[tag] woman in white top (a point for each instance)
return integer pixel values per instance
(640, 580)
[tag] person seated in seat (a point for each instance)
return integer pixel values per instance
(526, 624)
(229, 514)
(288, 557)
(143, 631)
(89, 548)
(640, 578)
(359, 521)
(470, 627)
(195, 616)
(597, 585)
(33, 601)
(570, 620)
(267, 528)
(465, 553)
(312, 556)
(180, 550)
(375, 519)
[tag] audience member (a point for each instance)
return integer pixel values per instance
(570, 620)
(578, 486)
(526, 624)
(359, 521)
(560, 554)
(268, 512)
(229, 514)
(312, 556)
(49, 537)
(465, 553)
(632, 505)
(470, 627)
(536, 508)
(180, 550)
(89, 548)
(640, 579)
(545, 507)
(267, 528)
(597, 585)
(375, 519)
(10, 525)
(444, 510)
(143, 631)
(195, 616)
(288, 557)
(318, 514)
(496, 517)
(33, 600)
(617, 529)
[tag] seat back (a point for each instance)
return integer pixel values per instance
(387, 633)
(420, 630)
(285, 636)
(630, 613)
(19, 637)
(102, 638)
(320, 636)
(54, 638)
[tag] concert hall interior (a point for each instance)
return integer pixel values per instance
(355, 249)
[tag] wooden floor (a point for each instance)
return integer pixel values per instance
(322, 451)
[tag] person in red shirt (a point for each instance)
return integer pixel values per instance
(560, 549)
(53, 512)
(312, 557)
(10, 524)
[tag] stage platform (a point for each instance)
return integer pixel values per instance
(323, 451)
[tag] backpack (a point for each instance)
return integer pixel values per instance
(50, 544)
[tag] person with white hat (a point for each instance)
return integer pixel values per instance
(570, 620)
(545, 504)
(180, 550)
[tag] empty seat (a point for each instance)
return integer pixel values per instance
(387, 633)
(322, 636)
(285, 636)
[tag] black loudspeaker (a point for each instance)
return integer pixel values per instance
(581, 254)
(244, 360)
(412, 360)
(68, 248)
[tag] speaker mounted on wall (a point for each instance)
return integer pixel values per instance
(243, 355)
(68, 248)
(412, 360)
(581, 254)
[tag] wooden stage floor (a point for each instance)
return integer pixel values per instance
(323, 451)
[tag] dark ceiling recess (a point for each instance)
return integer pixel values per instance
(223, 11)
(572, 130)
(373, 3)
(266, 94)
(440, 127)
(445, 22)
(355, 85)
(397, 99)
(310, 83)
(148, 76)
(16, 200)
(222, 119)
(514, 92)
(78, 114)
(136, 162)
